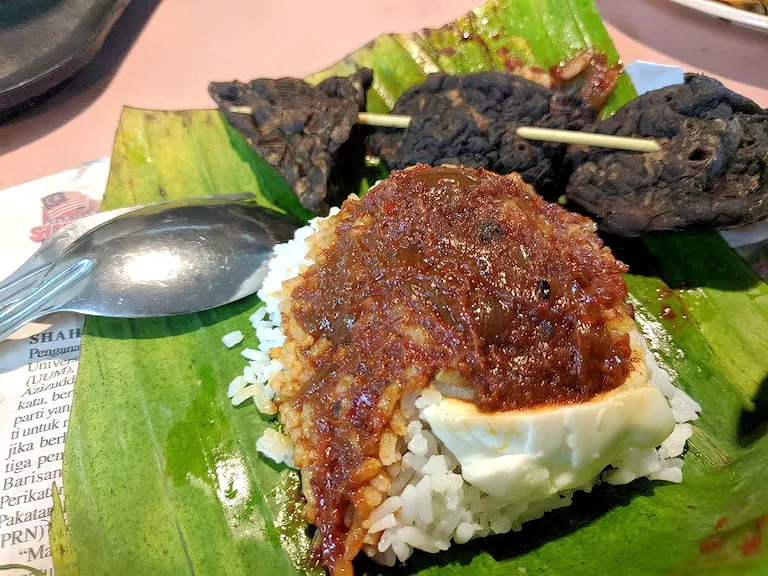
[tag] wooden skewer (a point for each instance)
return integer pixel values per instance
(383, 120)
(527, 132)
(588, 139)
(367, 118)
(241, 110)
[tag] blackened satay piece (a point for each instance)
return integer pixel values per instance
(471, 121)
(308, 133)
(712, 171)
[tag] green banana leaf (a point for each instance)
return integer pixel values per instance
(161, 475)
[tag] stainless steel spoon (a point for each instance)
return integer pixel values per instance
(158, 260)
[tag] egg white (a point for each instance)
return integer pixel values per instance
(533, 454)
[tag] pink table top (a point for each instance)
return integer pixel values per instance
(186, 43)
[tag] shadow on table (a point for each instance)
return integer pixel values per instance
(722, 47)
(75, 95)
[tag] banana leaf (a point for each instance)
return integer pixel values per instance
(161, 474)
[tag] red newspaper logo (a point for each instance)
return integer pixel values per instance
(60, 209)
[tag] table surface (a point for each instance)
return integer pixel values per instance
(163, 54)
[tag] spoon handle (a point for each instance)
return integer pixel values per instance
(22, 297)
(49, 295)
(42, 260)
(20, 284)
(17, 314)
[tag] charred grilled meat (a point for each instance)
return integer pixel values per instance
(471, 120)
(308, 133)
(712, 171)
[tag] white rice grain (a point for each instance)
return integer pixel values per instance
(389, 521)
(235, 386)
(418, 445)
(249, 374)
(259, 315)
(232, 339)
(255, 355)
(409, 499)
(275, 446)
(684, 408)
(675, 444)
(435, 465)
(464, 532)
(389, 506)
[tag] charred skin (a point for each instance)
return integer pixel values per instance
(471, 120)
(307, 133)
(712, 171)
(451, 277)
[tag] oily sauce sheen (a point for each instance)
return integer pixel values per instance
(454, 277)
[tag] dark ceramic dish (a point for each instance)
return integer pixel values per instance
(44, 42)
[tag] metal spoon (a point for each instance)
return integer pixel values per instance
(172, 258)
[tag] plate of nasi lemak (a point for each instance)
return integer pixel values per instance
(486, 348)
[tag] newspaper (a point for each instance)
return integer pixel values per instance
(37, 367)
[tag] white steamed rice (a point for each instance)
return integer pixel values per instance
(232, 339)
(430, 504)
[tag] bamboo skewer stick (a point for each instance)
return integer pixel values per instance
(588, 139)
(366, 118)
(383, 120)
(247, 110)
(527, 132)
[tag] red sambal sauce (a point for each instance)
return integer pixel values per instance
(459, 271)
